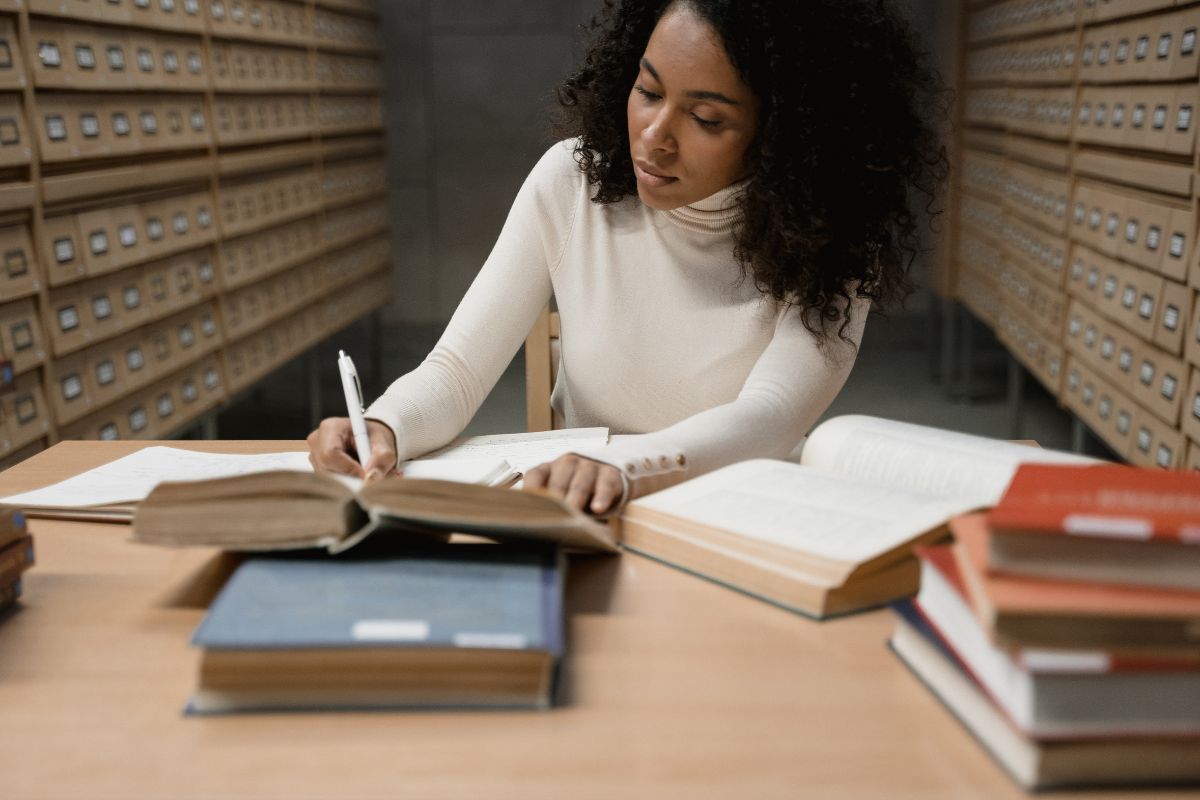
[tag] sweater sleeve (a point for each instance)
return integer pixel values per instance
(428, 407)
(788, 389)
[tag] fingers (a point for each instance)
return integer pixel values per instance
(330, 446)
(382, 460)
(608, 489)
(536, 478)
(582, 483)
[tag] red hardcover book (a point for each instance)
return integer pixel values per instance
(1107, 523)
(1039, 612)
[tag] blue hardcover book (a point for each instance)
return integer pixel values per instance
(459, 626)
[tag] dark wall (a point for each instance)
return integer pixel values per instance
(469, 86)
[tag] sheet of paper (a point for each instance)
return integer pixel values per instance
(484, 471)
(805, 508)
(523, 451)
(925, 459)
(131, 478)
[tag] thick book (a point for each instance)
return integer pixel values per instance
(10, 593)
(15, 558)
(1040, 765)
(1056, 694)
(282, 510)
(1110, 523)
(834, 533)
(12, 525)
(1040, 612)
(456, 626)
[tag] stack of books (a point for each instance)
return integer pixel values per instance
(1063, 628)
(455, 626)
(16, 555)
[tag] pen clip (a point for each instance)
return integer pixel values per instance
(347, 364)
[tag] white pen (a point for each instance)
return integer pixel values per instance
(354, 405)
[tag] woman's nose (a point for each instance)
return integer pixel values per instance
(657, 132)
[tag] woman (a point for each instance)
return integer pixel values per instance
(736, 195)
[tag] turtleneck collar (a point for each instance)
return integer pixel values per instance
(717, 213)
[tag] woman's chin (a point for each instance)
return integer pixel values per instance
(657, 200)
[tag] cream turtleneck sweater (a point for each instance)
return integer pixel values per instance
(661, 335)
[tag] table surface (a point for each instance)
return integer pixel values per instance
(673, 687)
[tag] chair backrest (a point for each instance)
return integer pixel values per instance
(541, 370)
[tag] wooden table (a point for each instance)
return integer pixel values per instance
(674, 687)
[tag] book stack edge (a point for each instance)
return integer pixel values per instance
(1077, 664)
(16, 556)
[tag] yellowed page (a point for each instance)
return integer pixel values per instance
(131, 478)
(931, 460)
(805, 508)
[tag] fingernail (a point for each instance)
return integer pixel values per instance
(374, 475)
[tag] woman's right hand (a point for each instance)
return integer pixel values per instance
(331, 449)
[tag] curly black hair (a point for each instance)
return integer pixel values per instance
(848, 152)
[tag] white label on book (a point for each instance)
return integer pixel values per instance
(1112, 527)
(390, 630)
(498, 641)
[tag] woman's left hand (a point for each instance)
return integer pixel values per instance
(585, 484)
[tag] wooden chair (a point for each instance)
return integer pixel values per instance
(541, 370)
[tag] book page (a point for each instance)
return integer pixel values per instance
(484, 471)
(130, 479)
(918, 457)
(805, 508)
(523, 451)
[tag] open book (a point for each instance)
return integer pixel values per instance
(835, 532)
(110, 492)
(285, 510)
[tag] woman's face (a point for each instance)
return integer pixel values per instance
(691, 118)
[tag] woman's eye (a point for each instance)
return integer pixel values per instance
(644, 92)
(706, 123)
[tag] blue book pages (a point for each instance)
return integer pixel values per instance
(478, 596)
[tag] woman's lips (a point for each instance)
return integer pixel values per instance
(648, 178)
